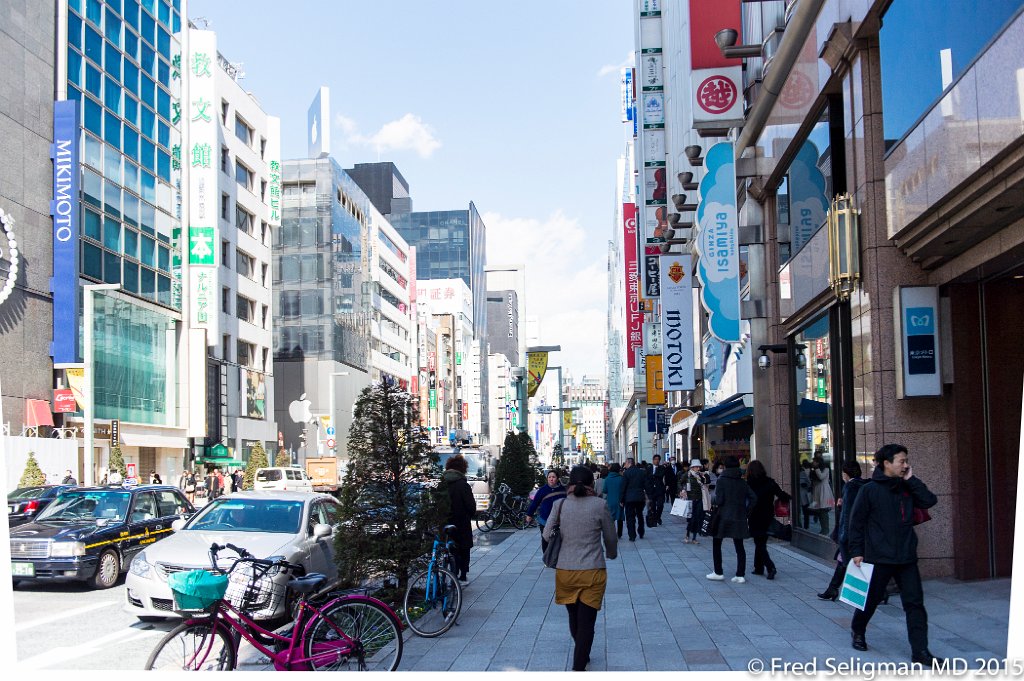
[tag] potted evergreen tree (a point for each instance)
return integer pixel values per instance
(257, 460)
(33, 476)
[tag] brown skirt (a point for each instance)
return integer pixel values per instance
(584, 585)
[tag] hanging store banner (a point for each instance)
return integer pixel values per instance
(655, 389)
(654, 109)
(65, 211)
(718, 268)
(677, 322)
(808, 198)
(76, 382)
(536, 366)
(717, 97)
(652, 269)
(654, 149)
(918, 364)
(566, 420)
(634, 318)
(655, 191)
(655, 224)
(651, 72)
(626, 94)
(652, 338)
(203, 147)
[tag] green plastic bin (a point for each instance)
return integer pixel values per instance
(196, 589)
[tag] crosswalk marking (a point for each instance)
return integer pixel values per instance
(63, 614)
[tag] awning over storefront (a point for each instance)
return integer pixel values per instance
(734, 409)
(812, 413)
(684, 419)
(37, 413)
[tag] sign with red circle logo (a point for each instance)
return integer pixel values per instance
(717, 94)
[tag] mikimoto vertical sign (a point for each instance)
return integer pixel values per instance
(677, 322)
(203, 149)
(65, 211)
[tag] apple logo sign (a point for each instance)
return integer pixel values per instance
(313, 132)
(299, 411)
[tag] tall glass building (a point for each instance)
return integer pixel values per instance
(117, 127)
(450, 244)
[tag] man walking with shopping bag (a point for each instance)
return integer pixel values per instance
(882, 533)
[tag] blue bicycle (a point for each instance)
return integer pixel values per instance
(434, 597)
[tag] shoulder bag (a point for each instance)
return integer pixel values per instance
(709, 525)
(555, 542)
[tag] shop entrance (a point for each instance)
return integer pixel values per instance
(988, 370)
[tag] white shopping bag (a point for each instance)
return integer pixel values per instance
(682, 508)
(854, 589)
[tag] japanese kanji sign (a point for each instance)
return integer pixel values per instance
(717, 97)
(198, 153)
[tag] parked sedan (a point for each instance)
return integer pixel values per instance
(297, 526)
(26, 503)
(92, 533)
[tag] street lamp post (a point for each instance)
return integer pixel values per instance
(89, 409)
(334, 375)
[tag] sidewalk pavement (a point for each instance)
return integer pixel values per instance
(668, 616)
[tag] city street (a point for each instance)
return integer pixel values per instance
(70, 626)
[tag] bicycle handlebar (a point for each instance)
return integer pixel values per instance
(246, 557)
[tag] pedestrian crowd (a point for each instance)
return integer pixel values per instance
(582, 522)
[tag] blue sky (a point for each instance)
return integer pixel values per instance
(514, 106)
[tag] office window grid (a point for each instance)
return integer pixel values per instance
(118, 59)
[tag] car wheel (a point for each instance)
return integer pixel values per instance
(108, 569)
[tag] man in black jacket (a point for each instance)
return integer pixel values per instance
(634, 484)
(655, 489)
(881, 532)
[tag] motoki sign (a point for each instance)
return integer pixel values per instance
(677, 322)
(718, 244)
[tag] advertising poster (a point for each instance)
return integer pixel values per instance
(537, 366)
(255, 394)
(654, 109)
(651, 73)
(655, 224)
(634, 318)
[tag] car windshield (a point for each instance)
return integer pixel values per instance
(269, 475)
(477, 467)
(26, 493)
(249, 515)
(88, 505)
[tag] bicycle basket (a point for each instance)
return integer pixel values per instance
(196, 590)
(259, 597)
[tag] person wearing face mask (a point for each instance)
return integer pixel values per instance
(881, 532)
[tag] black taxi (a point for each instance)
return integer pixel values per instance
(92, 533)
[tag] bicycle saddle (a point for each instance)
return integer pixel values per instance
(307, 584)
(448, 529)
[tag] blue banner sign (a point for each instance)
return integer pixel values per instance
(718, 244)
(65, 210)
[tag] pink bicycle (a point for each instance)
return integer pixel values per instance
(333, 631)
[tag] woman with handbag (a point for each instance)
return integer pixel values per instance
(762, 514)
(733, 500)
(576, 527)
(697, 491)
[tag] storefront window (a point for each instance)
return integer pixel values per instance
(815, 445)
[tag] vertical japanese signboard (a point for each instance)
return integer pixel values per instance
(655, 384)
(634, 318)
(718, 244)
(651, 99)
(274, 170)
(65, 211)
(918, 367)
(677, 322)
(201, 239)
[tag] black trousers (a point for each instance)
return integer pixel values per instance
(908, 578)
(762, 561)
(635, 518)
(696, 518)
(582, 619)
(741, 556)
(461, 556)
(654, 510)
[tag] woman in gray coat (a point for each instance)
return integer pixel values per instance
(733, 501)
(580, 575)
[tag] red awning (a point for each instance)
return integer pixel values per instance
(37, 413)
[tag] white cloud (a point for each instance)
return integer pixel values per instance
(614, 69)
(566, 286)
(408, 133)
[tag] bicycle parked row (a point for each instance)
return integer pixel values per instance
(505, 508)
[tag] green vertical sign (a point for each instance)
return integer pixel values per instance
(821, 387)
(202, 246)
(433, 399)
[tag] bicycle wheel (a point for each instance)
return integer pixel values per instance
(432, 602)
(519, 520)
(354, 635)
(485, 522)
(195, 647)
